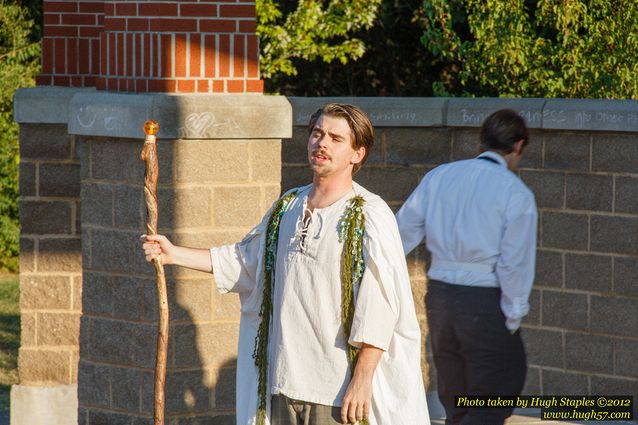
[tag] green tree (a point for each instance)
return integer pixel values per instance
(543, 48)
(310, 29)
(19, 63)
(394, 63)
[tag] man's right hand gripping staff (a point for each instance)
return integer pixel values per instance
(158, 246)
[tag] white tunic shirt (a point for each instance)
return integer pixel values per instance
(308, 358)
(479, 222)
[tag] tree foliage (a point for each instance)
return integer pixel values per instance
(19, 63)
(310, 29)
(394, 63)
(543, 48)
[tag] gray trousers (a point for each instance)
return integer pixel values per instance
(286, 411)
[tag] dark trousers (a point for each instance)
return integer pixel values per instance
(286, 411)
(474, 353)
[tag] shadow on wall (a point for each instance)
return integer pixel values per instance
(118, 327)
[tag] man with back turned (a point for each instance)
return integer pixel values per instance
(479, 222)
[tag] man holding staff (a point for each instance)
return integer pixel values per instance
(479, 222)
(328, 329)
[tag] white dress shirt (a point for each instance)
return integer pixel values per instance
(308, 359)
(479, 222)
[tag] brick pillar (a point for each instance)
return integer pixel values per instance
(71, 42)
(87, 297)
(50, 263)
(151, 46)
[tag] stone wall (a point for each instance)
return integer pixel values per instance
(88, 298)
(220, 170)
(582, 164)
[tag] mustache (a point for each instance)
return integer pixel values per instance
(321, 152)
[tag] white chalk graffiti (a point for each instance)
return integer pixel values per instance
(86, 117)
(204, 124)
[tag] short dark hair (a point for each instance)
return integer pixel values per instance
(359, 123)
(502, 129)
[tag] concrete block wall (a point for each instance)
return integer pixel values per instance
(50, 260)
(582, 165)
(220, 170)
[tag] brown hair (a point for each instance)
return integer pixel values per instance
(502, 129)
(359, 123)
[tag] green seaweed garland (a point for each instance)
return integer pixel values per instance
(351, 229)
(260, 353)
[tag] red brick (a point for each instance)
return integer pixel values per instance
(103, 50)
(120, 54)
(203, 86)
(126, 9)
(72, 56)
(200, 10)
(239, 56)
(161, 86)
(137, 24)
(84, 56)
(130, 59)
(78, 19)
(218, 86)
(122, 85)
(157, 9)
(77, 81)
(248, 26)
(195, 55)
(254, 86)
(141, 86)
(210, 53)
(109, 9)
(96, 52)
(89, 81)
(115, 24)
(100, 84)
(60, 6)
(174, 25)
(60, 31)
(59, 63)
(185, 86)
(236, 86)
(180, 55)
(52, 19)
(237, 11)
(90, 32)
(61, 81)
(47, 55)
(112, 55)
(166, 56)
(224, 56)
(146, 63)
(92, 7)
(217, 25)
(252, 56)
(112, 84)
(137, 42)
(43, 80)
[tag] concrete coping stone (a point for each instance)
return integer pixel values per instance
(383, 111)
(122, 115)
(91, 112)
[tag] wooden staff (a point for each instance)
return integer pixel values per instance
(149, 156)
